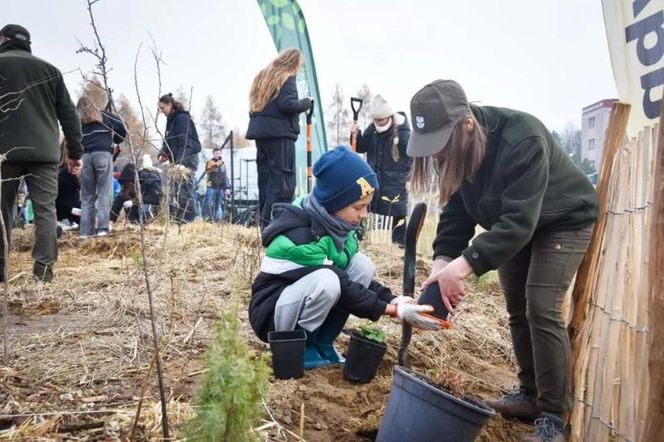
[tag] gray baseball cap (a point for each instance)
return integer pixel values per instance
(434, 111)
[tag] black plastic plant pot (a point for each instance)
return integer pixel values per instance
(287, 349)
(432, 297)
(362, 358)
(417, 410)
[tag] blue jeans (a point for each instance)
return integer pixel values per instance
(213, 205)
(96, 192)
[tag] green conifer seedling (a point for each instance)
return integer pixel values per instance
(230, 396)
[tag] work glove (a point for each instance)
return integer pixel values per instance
(411, 313)
(128, 204)
(401, 298)
(76, 211)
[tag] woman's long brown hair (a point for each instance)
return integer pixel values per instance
(87, 111)
(460, 159)
(269, 81)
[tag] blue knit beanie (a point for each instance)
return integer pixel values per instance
(342, 177)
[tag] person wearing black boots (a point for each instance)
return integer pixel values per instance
(274, 124)
(313, 274)
(384, 141)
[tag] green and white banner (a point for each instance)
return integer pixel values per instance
(635, 32)
(286, 23)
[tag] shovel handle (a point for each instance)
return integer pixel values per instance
(356, 110)
(310, 112)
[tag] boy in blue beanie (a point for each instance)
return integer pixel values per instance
(313, 275)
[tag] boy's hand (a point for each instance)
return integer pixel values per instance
(401, 298)
(411, 313)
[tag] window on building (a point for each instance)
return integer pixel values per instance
(591, 123)
(591, 144)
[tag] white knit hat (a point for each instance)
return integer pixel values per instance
(147, 161)
(381, 108)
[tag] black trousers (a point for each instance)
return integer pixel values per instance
(275, 161)
(399, 232)
(534, 282)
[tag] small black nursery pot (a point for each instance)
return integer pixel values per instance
(363, 358)
(287, 349)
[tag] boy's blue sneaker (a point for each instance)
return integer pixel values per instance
(327, 351)
(313, 359)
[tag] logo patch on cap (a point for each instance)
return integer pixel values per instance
(419, 121)
(365, 187)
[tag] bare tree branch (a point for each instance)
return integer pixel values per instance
(100, 53)
(155, 333)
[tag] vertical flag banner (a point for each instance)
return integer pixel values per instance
(635, 33)
(286, 23)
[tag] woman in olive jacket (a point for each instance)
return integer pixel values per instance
(274, 124)
(501, 169)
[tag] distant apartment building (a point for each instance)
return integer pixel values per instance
(595, 120)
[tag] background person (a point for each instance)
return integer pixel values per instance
(274, 124)
(68, 201)
(181, 147)
(218, 187)
(101, 131)
(29, 131)
(384, 141)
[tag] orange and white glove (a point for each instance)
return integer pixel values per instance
(411, 313)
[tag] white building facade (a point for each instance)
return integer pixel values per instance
(594, 122)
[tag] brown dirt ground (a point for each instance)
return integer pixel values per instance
(81, 346)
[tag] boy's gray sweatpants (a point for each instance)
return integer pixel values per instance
(308, 301)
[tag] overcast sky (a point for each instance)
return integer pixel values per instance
(547, 57)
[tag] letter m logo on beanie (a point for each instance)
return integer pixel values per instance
(365, 187)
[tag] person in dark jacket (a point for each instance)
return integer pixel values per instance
(33, 98)
(502, 169)
(313, 274)
(274, 124)
(384, 141)
(181, 147)
(127, 197)
(101, 131)
(68, 201)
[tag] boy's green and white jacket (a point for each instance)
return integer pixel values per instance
(297, 246)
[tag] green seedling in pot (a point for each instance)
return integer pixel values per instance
(372, 333)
